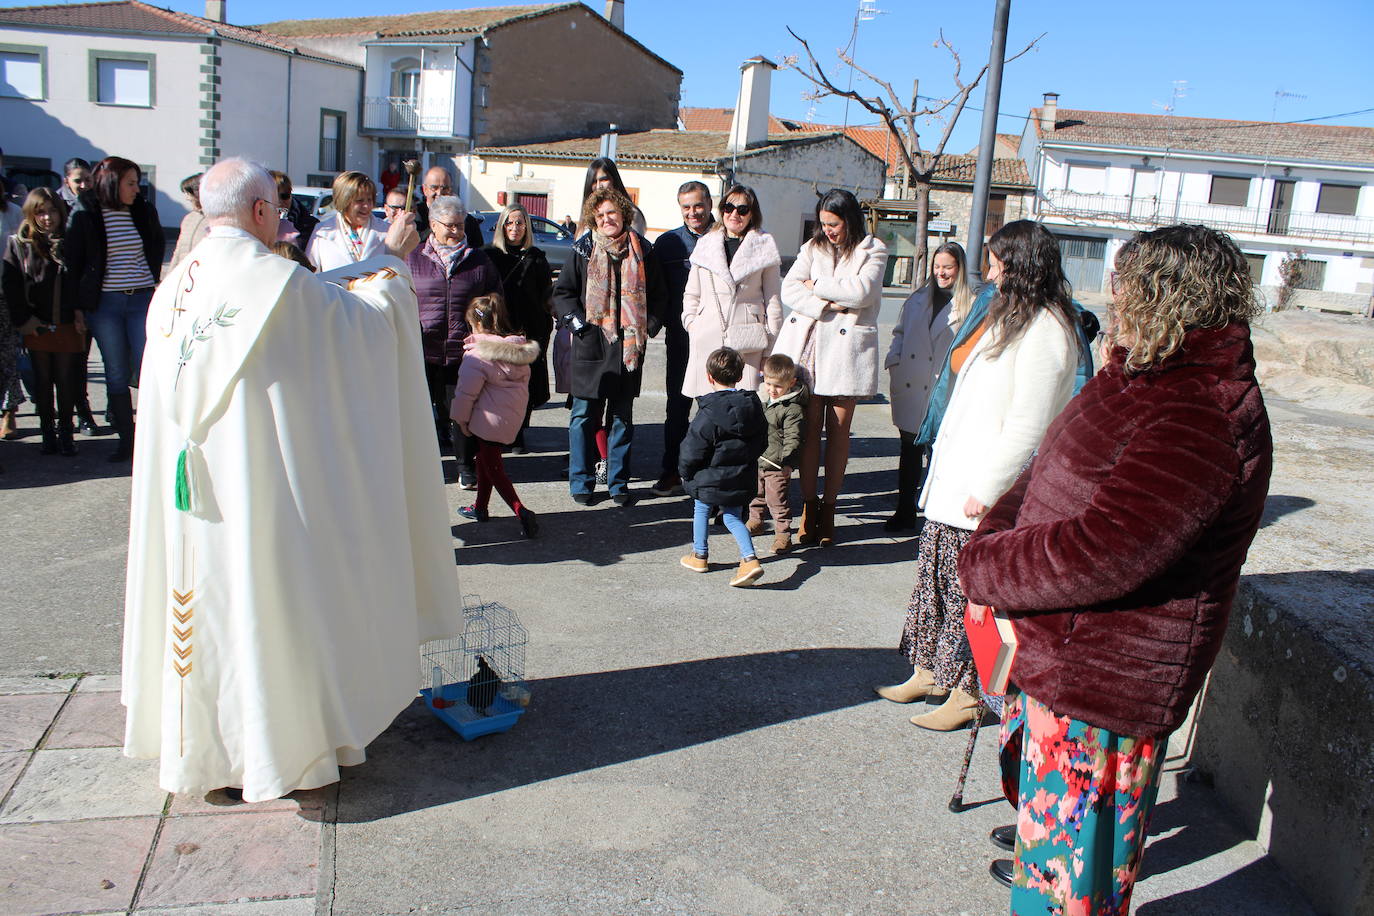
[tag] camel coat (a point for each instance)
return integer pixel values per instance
(748, 289)
(847, 357)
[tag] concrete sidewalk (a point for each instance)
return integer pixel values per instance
(690, 748)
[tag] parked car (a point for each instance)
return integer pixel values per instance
(318, 202)
(553, 239)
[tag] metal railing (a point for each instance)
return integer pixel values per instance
(403, 114)
(1154, 211)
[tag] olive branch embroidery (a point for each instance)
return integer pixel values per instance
(201, 330)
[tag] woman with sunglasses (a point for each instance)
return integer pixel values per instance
(734, 292)
(834, 291)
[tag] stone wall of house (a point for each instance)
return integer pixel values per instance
(568, 74)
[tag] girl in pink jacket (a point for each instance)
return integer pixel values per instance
(489, 403)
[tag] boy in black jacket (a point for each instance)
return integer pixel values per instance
(718, 462)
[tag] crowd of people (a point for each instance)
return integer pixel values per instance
(1106, 514)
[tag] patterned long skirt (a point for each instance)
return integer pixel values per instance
(933, 637)
(1084, 796)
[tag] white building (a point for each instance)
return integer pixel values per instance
(1277, 189)
(171, 91)
(787, 171)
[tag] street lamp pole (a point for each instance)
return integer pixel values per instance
(982, 179)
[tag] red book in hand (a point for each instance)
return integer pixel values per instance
(994, 646)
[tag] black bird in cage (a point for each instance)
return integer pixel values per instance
(482, 686)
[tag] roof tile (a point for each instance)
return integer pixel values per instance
(688, 147)
(438, 22)
(1274, 139)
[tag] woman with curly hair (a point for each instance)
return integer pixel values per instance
(1014, 366)
(1117, 555)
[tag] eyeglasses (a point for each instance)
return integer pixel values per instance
(451, 227)
(741, 209)
(1116, 286)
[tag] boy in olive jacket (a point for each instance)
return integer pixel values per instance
(785, 411)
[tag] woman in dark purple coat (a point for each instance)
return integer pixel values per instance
(448, 273)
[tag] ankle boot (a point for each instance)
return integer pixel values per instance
(810, 518)
(959, 710)
(66, 444)
(85, 421)
(825, 524)
(49, 431)
(920, 684)
(122, 407)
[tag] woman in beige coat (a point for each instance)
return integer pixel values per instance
(833, 292)
(734, 292)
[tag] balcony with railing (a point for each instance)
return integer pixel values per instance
(406, 115)
(1145, 212)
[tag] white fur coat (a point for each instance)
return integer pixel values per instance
(748, 289)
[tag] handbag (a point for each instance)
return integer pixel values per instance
(745, 337)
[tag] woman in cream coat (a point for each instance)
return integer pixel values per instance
(734, 280)
(834, 292)
(1014, 370)
(351, 233)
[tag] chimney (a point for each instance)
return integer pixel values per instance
(1049, 113)
(749, 126)
(610, 140)
(615, 13)
(215, 10)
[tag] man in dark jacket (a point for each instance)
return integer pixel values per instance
(718, 462)
(439, 183)
(674, 249)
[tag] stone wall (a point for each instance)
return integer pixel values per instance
(956, 205)
(569, 74)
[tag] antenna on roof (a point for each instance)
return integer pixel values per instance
(866, 12)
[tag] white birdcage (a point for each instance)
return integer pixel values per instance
(476, 683)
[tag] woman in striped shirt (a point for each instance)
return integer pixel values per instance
(114, 254)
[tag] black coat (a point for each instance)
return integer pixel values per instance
(527, 283)
(598, 366)
(27, 281)
(83, 248)
(719, 460)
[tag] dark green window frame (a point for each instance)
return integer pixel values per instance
(42, 53)
(96, 56)
(341, 142)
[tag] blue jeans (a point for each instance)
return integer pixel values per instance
(582, 454)
(119, 325)
(734, 522)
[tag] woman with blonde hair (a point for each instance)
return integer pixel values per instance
(527, 281)
(924, 330)
(54, 332)
(834, 292)
(734, 293)
(1116, 556)
(351, 233)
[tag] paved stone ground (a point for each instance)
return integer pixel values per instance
(690, 748)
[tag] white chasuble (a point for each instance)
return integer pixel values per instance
(272, 622)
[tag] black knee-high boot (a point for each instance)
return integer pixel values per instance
(909, 468)
(122, 409)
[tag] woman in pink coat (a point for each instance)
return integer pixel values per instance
(489, 402)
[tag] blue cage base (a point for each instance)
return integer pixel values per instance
(468, 722)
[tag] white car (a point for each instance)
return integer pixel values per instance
(318, 202)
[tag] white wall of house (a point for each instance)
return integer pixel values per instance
(271, 104)
(67, 123)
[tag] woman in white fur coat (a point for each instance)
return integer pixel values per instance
(734, 281)
(834, 292)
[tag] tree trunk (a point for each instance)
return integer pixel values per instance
(918, 268)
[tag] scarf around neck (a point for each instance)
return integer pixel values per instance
(446, 256)
(625, 255)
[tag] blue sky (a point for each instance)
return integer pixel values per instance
(1105, 56)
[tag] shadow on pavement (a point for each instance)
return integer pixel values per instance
(586, 721)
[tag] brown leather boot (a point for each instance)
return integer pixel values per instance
(782, 542)
(825, 524)
(807, 529)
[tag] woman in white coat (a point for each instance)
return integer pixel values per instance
(833, 292)
(734, 292)
(351, 233)
(920, 341)
(1014, 370)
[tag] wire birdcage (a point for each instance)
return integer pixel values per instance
(476, 683)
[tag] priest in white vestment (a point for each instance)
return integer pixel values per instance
(289, 543)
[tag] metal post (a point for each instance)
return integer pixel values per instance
(982, 179)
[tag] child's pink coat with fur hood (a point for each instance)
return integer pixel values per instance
(494, 386)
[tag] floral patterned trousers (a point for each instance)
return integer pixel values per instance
(1084, 796)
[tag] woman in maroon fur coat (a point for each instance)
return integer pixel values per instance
(1117, 554)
